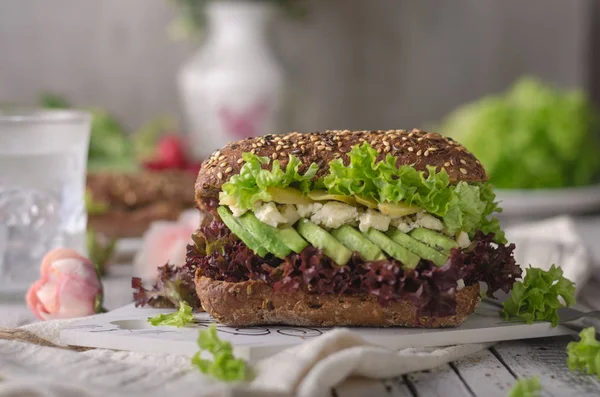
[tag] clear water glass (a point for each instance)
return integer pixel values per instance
(43, 157)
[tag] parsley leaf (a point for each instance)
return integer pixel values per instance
(526, 387)
(585, 354)
(537, 296)
(180, 318)
(224, 365)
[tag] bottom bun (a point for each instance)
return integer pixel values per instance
(254, 302)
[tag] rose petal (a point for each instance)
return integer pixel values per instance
(164, 242)
(76, 298)
(47, 295)
(57, 254)
(32, 300)
(76, 268)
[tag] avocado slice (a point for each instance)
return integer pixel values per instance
(392, 248)
(287, 195)
(434, 239)
(417, 247)
(355, 241)
(321, 239)
(240, 231)
(292, 239)
(267, 235)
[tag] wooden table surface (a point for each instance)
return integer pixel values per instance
(489, 373)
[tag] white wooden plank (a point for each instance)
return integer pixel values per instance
(442, 381)
(359, 387)
(546, 359)
(397, 387)
(484, 374)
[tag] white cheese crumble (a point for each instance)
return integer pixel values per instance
(373, 219)
(334, 214)
(463, 240)
(306, 210)
(269, 214)
(237, 211)
(429, 222)
(461, 284)
(290, 213)
(405, 224)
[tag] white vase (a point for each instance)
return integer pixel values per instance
(233, 88)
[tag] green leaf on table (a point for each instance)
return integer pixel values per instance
(585, 354)
(224, 365)
(537, 297)
(180, 318)
(526, 387)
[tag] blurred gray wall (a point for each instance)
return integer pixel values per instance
(353, 63)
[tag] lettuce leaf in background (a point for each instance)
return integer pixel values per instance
(110, 147)
(532, 136)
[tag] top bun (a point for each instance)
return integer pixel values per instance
(417, 148)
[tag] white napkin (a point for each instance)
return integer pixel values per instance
(552, 241)
(310, 369)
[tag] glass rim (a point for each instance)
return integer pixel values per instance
(43, 116)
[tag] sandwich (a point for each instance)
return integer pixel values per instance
(347, 228)
(122, 205)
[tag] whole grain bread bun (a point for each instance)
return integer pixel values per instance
(416, 147)
(121, 223)
(254, 302)
(136, 199)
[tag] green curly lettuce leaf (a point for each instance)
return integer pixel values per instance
(180, 318)
(252, 182)
(224, 365)
(532, 136)
(537, 297)
(585, 354)
(463, 207)
(526, 387)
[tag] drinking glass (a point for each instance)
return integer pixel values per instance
(43, 155)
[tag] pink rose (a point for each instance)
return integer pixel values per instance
(165, 242)
(68, 287)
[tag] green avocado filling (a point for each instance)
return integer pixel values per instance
(462, 207)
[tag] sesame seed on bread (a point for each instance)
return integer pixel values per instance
(418, 148)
